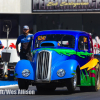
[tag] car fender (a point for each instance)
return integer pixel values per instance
(69, 66)
(25, 64)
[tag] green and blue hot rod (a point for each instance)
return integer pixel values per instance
(60, 58)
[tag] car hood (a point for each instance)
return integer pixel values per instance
(56, 54)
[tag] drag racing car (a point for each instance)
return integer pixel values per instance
(60, 58)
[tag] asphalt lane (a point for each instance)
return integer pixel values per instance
(59, 94)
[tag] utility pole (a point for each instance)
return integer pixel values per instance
(7, 37)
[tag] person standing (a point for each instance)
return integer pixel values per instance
(26, 44)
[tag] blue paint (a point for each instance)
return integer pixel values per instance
(6, 83)
(68, 65)
(25, 64)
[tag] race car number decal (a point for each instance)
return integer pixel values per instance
(41, 37)
(85, 39)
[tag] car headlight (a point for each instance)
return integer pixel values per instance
(61, 72)
(25, 72)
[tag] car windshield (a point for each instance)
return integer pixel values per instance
(64, 40)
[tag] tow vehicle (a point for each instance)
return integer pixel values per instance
(60, 58)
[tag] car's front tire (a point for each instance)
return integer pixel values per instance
(23, 84)
(72, 83)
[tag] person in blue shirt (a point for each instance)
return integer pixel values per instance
(26, 43)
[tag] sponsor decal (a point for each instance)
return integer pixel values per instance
(41, 37)
(66, 5)
(85, 39)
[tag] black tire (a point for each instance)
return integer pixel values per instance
(45, 89)
(1, 74)
(72, 83)
(23, 84)
(97, 79)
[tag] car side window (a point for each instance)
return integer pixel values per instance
(83, 43)
(68, 41)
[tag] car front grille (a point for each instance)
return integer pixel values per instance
(43, 65)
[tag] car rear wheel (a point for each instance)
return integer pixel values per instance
(72, 83)
(23, 84)
(97, 79)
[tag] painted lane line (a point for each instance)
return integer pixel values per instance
(8, 86)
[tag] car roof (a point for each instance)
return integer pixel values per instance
(69, 32)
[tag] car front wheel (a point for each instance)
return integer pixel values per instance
(23, 84)
(72, 83)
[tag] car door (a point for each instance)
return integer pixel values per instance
(91, 47)
(83, 47)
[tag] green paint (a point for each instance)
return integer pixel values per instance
(86, 80)
(93, 71)
(74, 70)
(93, 81)
(82, 54)
(15, 74)
(73, 73)
(93, 78)
(67, 52)
(34, 52)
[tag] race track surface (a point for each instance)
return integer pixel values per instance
(59, 94)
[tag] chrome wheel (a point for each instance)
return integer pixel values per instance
(72, 83)
(75, 80)
(97, 78)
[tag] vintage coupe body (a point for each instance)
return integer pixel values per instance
(60, 58)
